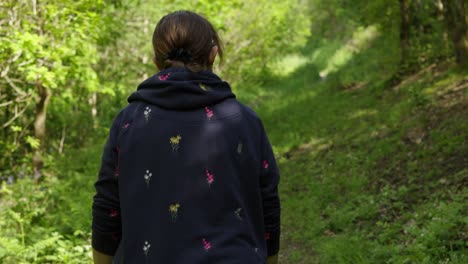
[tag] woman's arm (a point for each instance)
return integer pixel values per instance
(106, 224)
(269, 181)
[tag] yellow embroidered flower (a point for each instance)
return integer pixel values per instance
(175, 140)
(173, 208)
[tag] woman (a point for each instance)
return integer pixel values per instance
(187, 174)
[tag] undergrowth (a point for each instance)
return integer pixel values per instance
(50, 222)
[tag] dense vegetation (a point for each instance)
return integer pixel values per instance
(364, 102)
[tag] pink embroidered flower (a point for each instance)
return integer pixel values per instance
(206, 244)
(209, 177)
(267, 236)
(126, 125)
(265, 164)
(209, 112)
(113, 213)
(164, 76)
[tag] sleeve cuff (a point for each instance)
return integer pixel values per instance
(273, 242)
(105, 243)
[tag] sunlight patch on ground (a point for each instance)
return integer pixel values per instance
(361, 39)
(288, 64)
(363, 113)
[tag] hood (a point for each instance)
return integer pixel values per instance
(181, 89)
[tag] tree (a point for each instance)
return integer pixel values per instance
(404, 34)
(48, 52)
(455, 17)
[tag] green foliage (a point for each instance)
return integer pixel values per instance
(429, 39)
(28, 236)
(371, 173)
(47, 46)
(50, 222)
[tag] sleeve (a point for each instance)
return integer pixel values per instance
(106, 224)
(269, 181)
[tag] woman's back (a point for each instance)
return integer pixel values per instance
(187, 176)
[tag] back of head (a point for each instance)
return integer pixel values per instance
(185, 39)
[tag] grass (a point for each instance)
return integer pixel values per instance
(374, 174)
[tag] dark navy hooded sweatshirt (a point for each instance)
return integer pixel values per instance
(187, 176)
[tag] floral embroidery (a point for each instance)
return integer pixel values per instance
(146, 248)
(164, 76)
(203, 86)
(237, 212)
(209, 177)
(174, 209)
(239, 147)
(267, 236)
(265, 164)
(174, 141)
(209, 113)
(147, 113)
(126, 125)
(147, 177)
(113, 213)
(206, 244)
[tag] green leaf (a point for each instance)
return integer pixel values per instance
(33, 142)
(16, 128)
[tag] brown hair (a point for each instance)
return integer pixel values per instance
(185, 39)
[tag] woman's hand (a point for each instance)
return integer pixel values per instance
(272, 259)
(100, 258)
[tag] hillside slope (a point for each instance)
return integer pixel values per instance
(371, 173)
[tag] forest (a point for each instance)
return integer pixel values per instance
(365, 104)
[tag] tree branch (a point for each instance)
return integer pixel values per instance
(18, 90)
(16, 115)
(17, 100)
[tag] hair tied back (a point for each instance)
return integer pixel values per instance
(179, 54)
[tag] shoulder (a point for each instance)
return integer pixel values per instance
(125, 115)
(249, 113)
(251, 116)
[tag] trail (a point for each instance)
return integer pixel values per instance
(358, 163)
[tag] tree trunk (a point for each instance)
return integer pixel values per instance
(454, 12)
(404, 35)
(40, 128)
